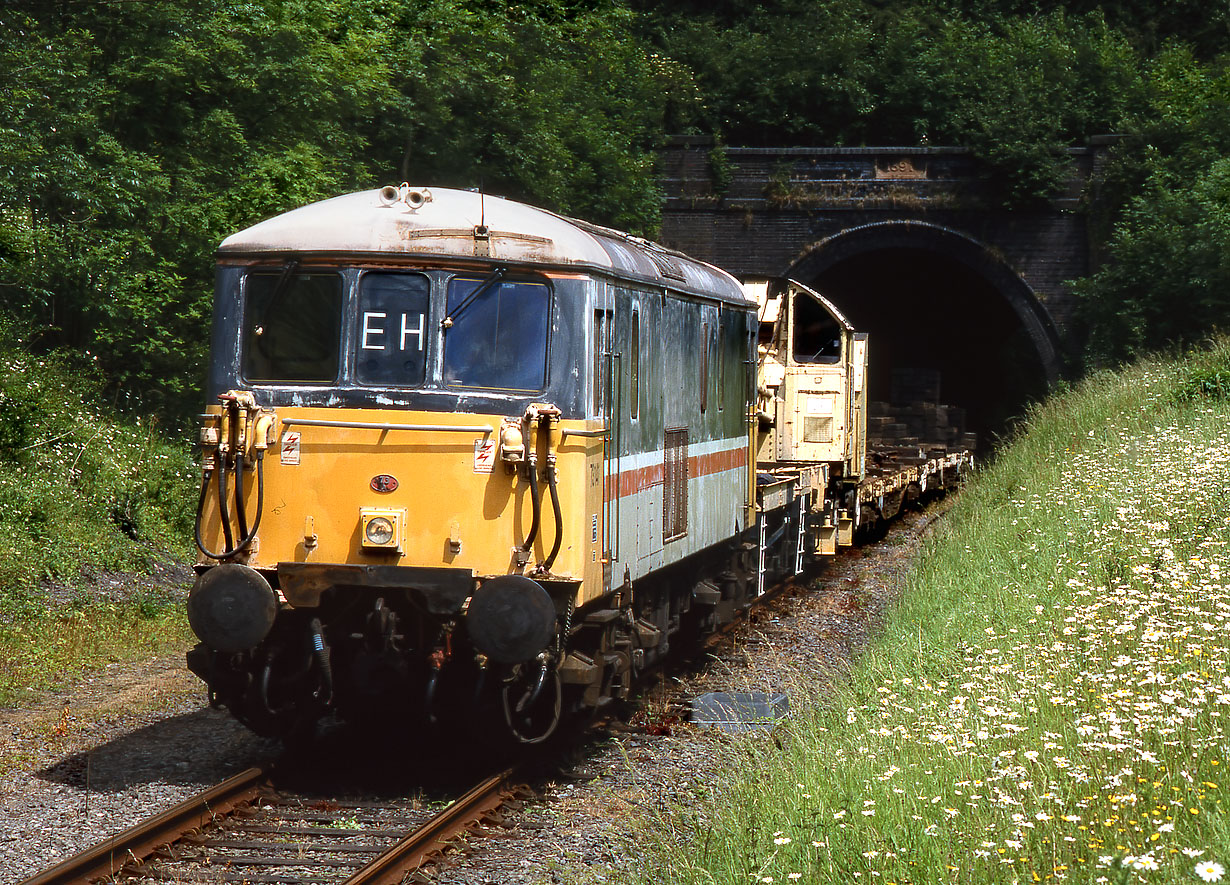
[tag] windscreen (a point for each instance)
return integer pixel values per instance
(496, 334)
(817, 336)
(392, 331)
(292, 326)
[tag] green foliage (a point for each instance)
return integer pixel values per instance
(561, 107)
(721, 171)
(138, 134)
(41, 653)
(135, 136)
(1169, 270)
(1205, 376)
(1017, 89)
(77, 488)
(1020, 91)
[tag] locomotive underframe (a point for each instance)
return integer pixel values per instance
(364, 641)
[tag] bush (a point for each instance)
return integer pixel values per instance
(79, 488)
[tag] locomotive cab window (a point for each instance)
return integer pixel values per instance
(391, 343)
(292, 326)
(817, 336)
(495, 334)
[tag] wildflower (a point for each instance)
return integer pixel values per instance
(1210, 870)
(782, 840)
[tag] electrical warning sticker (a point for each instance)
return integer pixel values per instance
(484, 454)
(290, 446)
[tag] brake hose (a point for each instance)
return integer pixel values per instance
(224, 509)
(248, 536)
(240, 510)
(559, 519)
(537, 505)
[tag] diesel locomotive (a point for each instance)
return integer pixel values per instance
(466, 457)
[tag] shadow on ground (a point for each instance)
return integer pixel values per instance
(201, 747)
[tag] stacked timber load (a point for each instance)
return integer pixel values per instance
(916, 420)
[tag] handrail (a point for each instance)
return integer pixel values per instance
(484, 429)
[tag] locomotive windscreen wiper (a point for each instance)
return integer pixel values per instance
(486, 283)
(279, 289)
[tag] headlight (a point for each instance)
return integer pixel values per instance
(381, 528)
(380, 531)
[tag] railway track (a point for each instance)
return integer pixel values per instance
(245, 830)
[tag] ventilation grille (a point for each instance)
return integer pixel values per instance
(817, 429)
(675, 485)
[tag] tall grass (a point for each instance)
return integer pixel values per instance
(37, 653)
(82, 491)
(1048, 702)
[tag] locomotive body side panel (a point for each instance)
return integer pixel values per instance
(679, 429)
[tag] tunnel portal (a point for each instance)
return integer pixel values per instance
(911, 244)
(939, 332)
(949, 324)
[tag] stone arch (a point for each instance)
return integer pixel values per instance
(954, 245)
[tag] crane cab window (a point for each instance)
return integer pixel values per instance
(292, 326)
(390, 344)
(817, 336)
(495, 334)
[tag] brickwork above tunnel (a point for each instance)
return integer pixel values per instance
(783, 207)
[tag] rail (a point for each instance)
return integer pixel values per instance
(408, 855)
(112, 854)
(178, 834)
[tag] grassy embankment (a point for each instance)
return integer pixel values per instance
(81, 493)
(1050, 701)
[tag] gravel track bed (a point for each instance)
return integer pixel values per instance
(583, 831)
(134, 739)
(124, 744)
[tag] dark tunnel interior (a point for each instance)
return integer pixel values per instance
(926, 311)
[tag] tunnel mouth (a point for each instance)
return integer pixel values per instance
(940, 334)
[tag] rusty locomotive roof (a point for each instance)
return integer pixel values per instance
(439, 223)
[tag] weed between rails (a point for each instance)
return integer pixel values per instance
(1051, 699)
